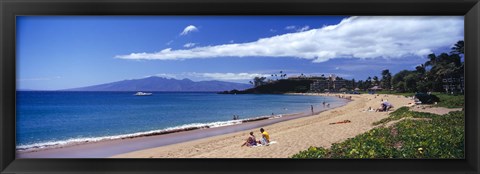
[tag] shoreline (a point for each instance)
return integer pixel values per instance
(290, 136)
(133, 143)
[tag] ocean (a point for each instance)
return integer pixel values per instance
(53, 118)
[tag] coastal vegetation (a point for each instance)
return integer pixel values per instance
(450, 101)
(412, 134)
(425, 136)
(278, 87)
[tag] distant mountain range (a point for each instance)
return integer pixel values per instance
(164, 84)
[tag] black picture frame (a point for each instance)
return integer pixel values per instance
(11, 8)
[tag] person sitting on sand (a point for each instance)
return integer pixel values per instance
(382, 107)
(388, 105)
(251, 141)
(370, 109)
(265, 137)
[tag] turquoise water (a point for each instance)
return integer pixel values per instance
(56, 118)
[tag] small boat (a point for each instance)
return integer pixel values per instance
(142, 94)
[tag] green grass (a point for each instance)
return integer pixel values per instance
(404, 112)
(450, 101)
(446, 100)
(395, 115)
(440, 137)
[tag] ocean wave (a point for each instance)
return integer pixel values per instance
(181, 128)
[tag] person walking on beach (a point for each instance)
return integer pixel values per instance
(323, 103)
(311, 107)
(265, 140)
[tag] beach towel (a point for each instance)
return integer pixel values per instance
(271, 142)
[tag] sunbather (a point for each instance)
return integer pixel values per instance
(384, 106)
(251, 141)
(340, 122)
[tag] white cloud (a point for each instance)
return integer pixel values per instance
(188, 45)
(189, 29)
(305, 28)
(236, 77)
(231, 76)
(293, 27)
(273, 30)
(290, 27)
(213, 76)
(166, 75)
(365, 37)
(169, 42)
(358, 67)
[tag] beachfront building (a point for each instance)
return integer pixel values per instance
(331, 84)
(452, 85)
(319, 86)
(376, 88)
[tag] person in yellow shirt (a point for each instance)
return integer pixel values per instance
(265, 140)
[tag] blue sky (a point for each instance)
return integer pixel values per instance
(60, 52)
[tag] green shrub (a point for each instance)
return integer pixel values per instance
(375, 143)
(451, 101)
(427, 98)
(312, 152)
(440, 137)
(395, 115)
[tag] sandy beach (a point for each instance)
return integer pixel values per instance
(290, 136)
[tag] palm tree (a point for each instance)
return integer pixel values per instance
(257, 81)
(432, 60)
(458, 48)
(353, 83)
(386, 79)
(368, 82)
(375, 81)
(421, 69)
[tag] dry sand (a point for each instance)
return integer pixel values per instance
(291, 136)
(434, 110)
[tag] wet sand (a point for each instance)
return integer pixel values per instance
(290, 136)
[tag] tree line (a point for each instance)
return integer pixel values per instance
(432, 76)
